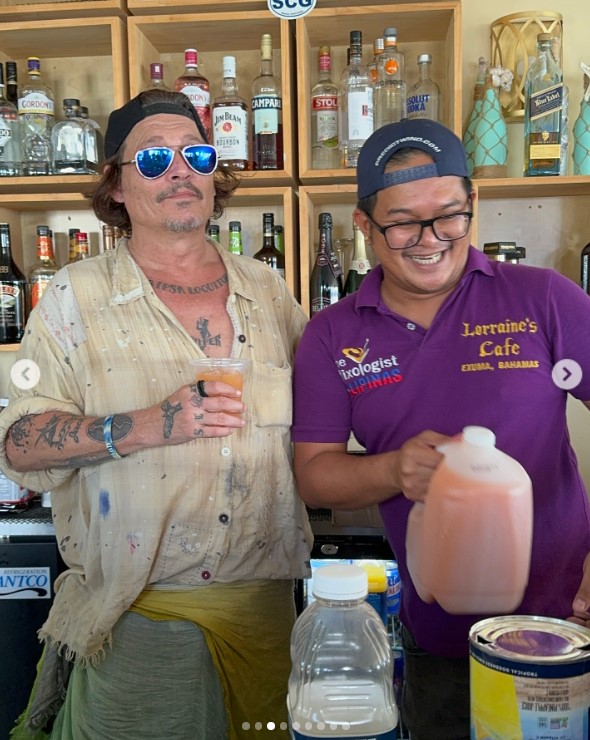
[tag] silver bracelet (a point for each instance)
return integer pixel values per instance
(107, 434)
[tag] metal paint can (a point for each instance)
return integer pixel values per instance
(530, 679)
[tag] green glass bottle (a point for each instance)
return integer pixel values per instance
(360, 265)
(235, 237)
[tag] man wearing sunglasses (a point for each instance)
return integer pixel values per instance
(173, 500)
(438, 338)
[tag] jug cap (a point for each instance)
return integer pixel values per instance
(480, 436)
(340, 582)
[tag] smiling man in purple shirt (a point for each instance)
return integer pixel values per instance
(438, 338)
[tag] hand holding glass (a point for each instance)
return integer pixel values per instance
(223, 370)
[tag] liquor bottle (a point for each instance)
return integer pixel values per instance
(213, 233)
(360, 265)
(355, 106)
(543, 99)
(72, 245)
(196, 87)
(93, 139)
(326, 277)
(268, 253)
(424, 96)
(82, 248)
(157, 77)
(378, 48)
(585, 269)
(10, 151)
(279, 237)
(12, 83)
(35, 112)
(230, 121)
(267, 113)
(13, 292)
(324, 116)
(43, 270)
(68, 141)
(235, 237)
(390, 90)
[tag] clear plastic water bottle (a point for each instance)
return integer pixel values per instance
(341, 682)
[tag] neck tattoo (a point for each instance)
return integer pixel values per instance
(190, 289)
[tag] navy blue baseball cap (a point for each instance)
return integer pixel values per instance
(445, 148)
(147, 103)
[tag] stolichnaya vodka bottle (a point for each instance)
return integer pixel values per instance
(543, 102)
(325, 154)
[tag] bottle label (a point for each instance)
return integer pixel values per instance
(267, 110)
(230, 132)
(201, 100)
(11, 304)
(390, 67)
(37, 289)
(362, 267)
(360, 114)
(5, 130)
(418, 103)
(35, 103)
(325, 112)
(545, 102)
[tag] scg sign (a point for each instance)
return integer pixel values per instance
(291, 8)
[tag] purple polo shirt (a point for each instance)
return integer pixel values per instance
(486, 360)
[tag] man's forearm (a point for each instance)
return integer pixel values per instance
(59, 440)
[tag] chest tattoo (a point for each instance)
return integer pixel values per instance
(190, 289)
(205, 338)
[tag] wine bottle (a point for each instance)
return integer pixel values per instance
(268, 253)
(326, 276)
(360, 265)
(13, 292)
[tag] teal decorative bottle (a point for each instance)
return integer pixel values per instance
(581, 153)
(478, 90)
(490, 136)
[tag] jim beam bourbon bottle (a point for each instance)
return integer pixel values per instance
(230, 121)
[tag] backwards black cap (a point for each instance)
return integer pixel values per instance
(122, 120)
(431, 137)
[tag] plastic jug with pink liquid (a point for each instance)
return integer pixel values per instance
(469, 542)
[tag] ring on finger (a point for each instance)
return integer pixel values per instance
(201, 389)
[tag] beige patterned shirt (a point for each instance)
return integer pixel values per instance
(213, 509)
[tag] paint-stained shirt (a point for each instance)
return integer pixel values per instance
(213, 509)
(487, 360)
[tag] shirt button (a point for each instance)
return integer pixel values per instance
(206, 575)
(410, 326)
(225, 451)
(224, 518)
(242, 338)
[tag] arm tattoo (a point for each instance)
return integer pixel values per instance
(169, 411)
(59, 429)
(20, 432)
(122, 425)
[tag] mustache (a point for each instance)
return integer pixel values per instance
(173, 189)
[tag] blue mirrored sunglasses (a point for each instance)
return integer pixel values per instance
(155, 161)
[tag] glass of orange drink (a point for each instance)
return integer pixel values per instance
(228, 370)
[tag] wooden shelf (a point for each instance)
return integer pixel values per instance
(9, 347)
(532, 187)
(67, 9)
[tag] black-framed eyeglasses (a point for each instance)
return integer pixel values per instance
(407, 234)
(155, 161)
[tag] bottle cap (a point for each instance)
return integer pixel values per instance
(71, 103)
(235, 225)
(479, 436)
(229, 66)
(544, 37)
(356, 38)
(190, 57)
(340, 582)
(391, 31)
(424, 58)
(156, 71)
